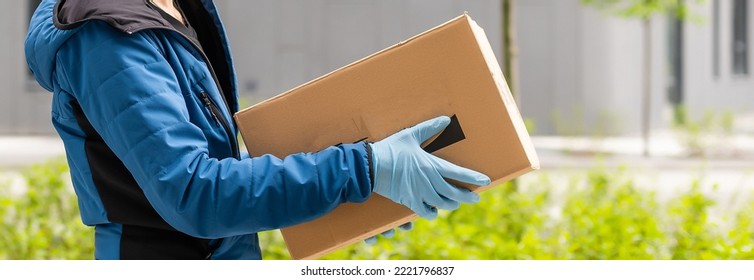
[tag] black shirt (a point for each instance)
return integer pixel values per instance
(187, 30)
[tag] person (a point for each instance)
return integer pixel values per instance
(143, 97)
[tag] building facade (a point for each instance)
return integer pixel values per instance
(581, 71)
(277, 45)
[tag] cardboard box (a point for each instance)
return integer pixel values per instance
(449, 70)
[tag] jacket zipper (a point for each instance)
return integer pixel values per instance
(214, 111)
(210, 106)
(223, 121)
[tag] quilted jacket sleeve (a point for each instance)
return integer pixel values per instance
(129, 93)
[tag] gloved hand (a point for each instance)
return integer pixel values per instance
(389, 233)
(408, 175)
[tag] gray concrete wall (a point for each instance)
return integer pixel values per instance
(550, 81)
(581, 70)
(25, 107)
(279, 45)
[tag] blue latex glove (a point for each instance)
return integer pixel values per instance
(389, 233)
(408, 175)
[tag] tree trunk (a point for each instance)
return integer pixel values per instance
(647, 85)
(510, 56)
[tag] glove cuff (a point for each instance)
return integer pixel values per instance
(368, 145)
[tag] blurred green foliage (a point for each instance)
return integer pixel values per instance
(647, 8)
(43, 222)
(600, 214)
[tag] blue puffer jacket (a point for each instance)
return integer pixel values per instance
(145, 116)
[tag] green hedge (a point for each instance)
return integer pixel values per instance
(601, 214)
(44, 222)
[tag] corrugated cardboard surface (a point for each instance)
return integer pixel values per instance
(448, 70)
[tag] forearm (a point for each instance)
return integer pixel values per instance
(214, 198)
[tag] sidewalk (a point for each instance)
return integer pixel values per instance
(20, 151)
(665, 152)
(554, 152)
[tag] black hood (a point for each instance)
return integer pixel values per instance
(126, 15)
